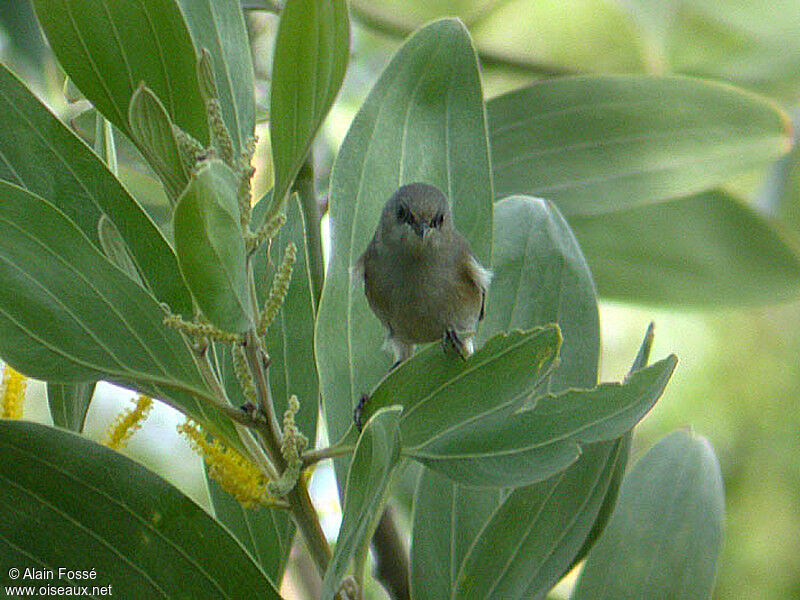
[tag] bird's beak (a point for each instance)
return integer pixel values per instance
(420, 229)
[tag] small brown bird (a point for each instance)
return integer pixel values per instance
(420, 276)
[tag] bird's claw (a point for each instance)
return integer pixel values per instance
(451, 341)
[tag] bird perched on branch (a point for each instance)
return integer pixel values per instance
(420, 276)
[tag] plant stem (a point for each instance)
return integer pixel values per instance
(306, 189)
(314, 456)
(299, 501)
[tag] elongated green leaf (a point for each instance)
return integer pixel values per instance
(542, 530)
(508, 561)
(108, 50)
(211, 252)
(42, 155)
(423, 121)
(604, 143)
(152, 130)
(540, 276)
(439, 394)
(312, 48)
(506, 450)
(666, 532)
(292, 370)
(705, 250)
(142, 536)
(447, 517)
(67, 315)
(374, 459)
(69, 403)
(219, 28)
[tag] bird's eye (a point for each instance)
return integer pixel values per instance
(437, 220)
(402, 213)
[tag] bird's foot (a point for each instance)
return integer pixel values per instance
(358, 410)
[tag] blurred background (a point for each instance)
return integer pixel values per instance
(738, 380)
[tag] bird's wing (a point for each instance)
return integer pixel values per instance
(482, 278)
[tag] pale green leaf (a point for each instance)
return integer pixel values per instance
(665, 535)
(312, 49)
(211, 250)
(68, 502)
(704, 250)
(605, 143)
(219, 28)
(152, 130)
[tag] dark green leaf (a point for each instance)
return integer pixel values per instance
(441, 394)
(664, 538)
(506, 450)
(69, 403)
(510, 560)
(705, 250)
(219, 28)
(63, 508)
(312, 49)
(152, 130)
(39, 153)
(115, 248)
(109, 50)
(604, 143)
(211, 251)
(423, 121)
(67, 315)
(374, 459)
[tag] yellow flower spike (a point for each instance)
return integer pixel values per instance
(12, 393)
(128, 422)
(232, 471)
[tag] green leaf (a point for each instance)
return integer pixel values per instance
(665, 536)
(509, 561)
(540, 276)
(141, 535)
(705, 250)
(152, 130)
(374, 460)
(312, 49)
(290, 343)
(509, 449)
(440, 393)
(219, 28)
(605, 143)
(423, 121)
(43, 156)
(447, 517)
(67, 315)
(211, 251)
(115, 248)
(69, 403)
(108, 51)
(267, 534)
